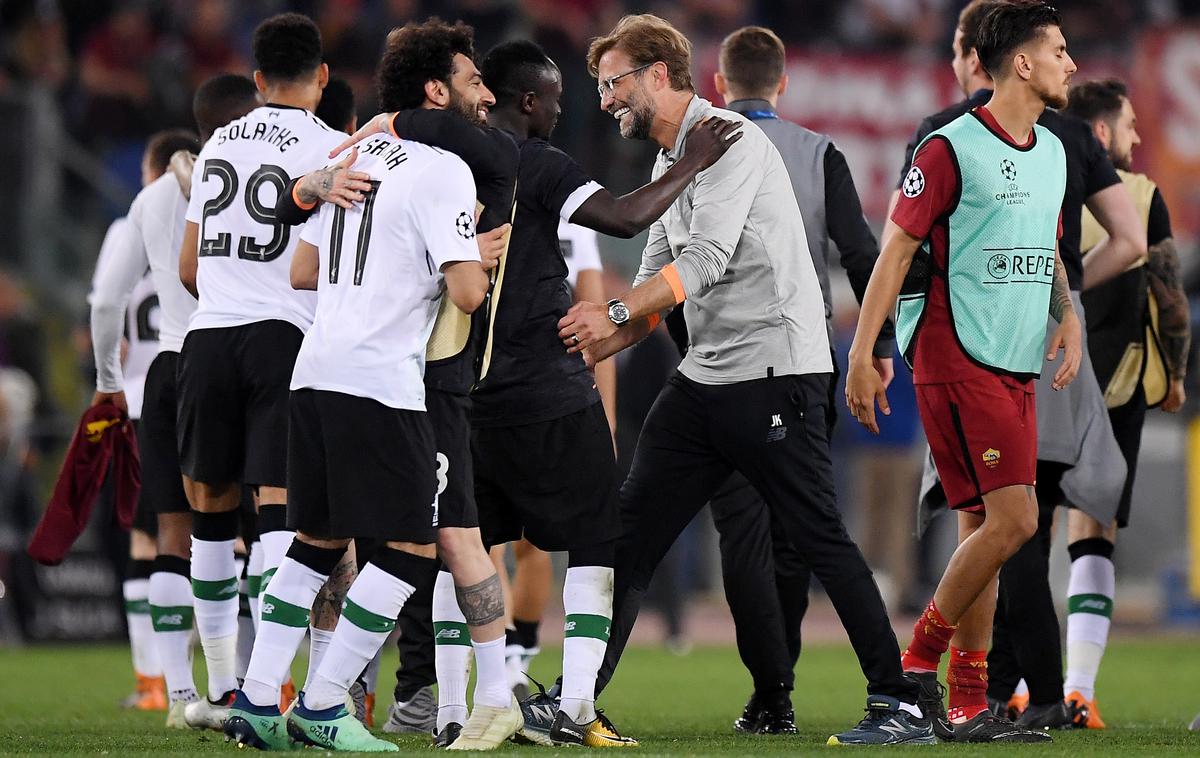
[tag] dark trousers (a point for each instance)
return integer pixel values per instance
(1025, 632)
(773, 431)
(766, 585)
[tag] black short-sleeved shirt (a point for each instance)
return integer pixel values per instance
(528, 374)
(1088, 170)
(1158, 223)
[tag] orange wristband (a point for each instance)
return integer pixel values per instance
(296, 198)
(653, 320)
(672, 276)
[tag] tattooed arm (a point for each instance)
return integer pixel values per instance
(1060, 291)
(1166, 283)
(1069, 335)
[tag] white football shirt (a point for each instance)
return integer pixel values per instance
(148, 238)
(380, 281)
(580, 250)
(245, 256)
(141, 331)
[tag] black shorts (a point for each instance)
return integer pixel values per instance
(553, 482)
(1127, 422)
(162, 486)
(233, 402)
(450, 415)
(357, 468)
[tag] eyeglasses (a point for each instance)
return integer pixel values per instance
(605, 87)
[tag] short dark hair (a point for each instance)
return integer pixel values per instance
(970, 18)
(1007, 27)
(511, 69)
(1097, 100)
(336, 108)
(752, 61)
(220, 100)
(418, 53)
(287, 46)
(164, 144)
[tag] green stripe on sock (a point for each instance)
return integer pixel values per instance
(265, 579)
(364, 619)
(220, 589)
(171, 618)
(451, 633)
(253, 585)
(1101, 605)
(137, 606)
(282, 612)
(587, 625)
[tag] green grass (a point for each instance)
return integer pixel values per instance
(62, 700)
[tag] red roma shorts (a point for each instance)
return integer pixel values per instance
(983, 436)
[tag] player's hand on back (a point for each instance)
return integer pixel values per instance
(492, 245)
(377, 125)
(864, 386)
(336, 184)
(1068, 338)
(708, 140)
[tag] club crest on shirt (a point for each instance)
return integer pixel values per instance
(991, 457)
(914, 183)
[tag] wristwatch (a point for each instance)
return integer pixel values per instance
(618, 312)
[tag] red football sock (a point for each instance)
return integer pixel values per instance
(931, 637)
(967, 678)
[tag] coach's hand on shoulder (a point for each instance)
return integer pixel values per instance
(335, 184)
(379, 124)
(709, 139)
(864, 387)
(111, 398)
(1068, 338)
(492, 245)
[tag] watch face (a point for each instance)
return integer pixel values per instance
(618, 313)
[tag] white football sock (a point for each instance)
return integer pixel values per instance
(254, 580)
(491, 677)
(587, 602)
(141, 629)
(171, 615)
(318, 643)
(214, 587)
(285, 615)
(372, 605)
(1089, 617)
(274, 546)
(451, 652)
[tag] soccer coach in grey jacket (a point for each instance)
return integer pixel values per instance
(752, 392)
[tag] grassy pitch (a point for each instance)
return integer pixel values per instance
(62, 700)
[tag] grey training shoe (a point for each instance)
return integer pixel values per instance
(417, 715)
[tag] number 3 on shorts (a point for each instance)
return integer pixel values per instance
(443, 465)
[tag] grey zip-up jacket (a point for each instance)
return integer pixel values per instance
(736, 237)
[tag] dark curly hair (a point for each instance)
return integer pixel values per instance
(1007, 27)
(418, 53)
(287, 46)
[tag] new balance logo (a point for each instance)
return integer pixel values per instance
(569, 627)
(542, 712)
(448, 634)
(268, 609)
(777, 431)
(894, 728)
(174, 619)
(1098, 605)
(229, 589)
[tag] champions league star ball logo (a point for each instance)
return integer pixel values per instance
(914, 183)
(465, 225)
(1008, 169)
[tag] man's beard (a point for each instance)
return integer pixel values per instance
(640, 121)
(1123, 162)
(469, 111)
(1055, 100)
